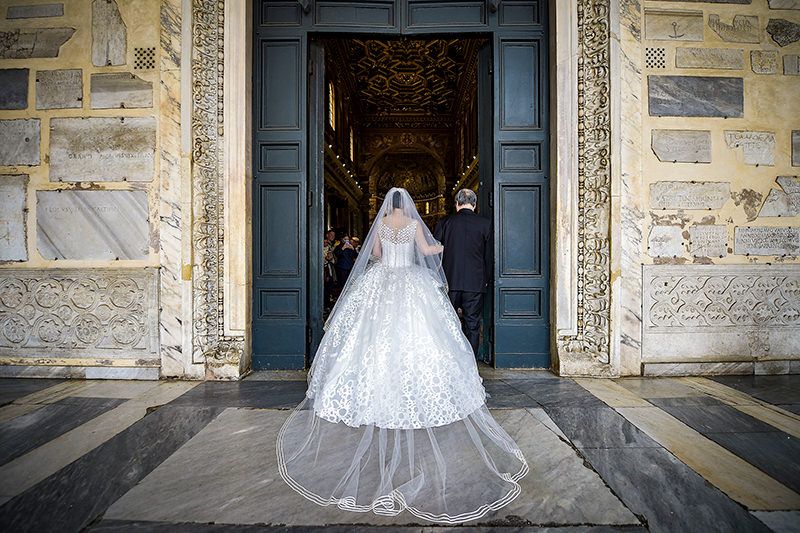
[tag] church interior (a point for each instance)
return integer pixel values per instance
(399, 112)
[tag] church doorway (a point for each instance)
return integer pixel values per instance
(346, 106)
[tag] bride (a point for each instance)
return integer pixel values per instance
(395, 415)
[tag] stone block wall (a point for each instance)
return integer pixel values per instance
(719, 192)
(80, 173)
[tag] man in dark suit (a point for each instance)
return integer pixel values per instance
(467, 261)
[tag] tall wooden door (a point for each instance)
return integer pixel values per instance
(287, 169)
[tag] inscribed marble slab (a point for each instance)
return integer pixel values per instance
(109, 34)
(689, 195)
(696, 96)
(105, 225)
(14, 94)
(673, 25)
(59, 89)
(120, 90)
(102, 149)
(26, 43)
(791, 65)
(665, 241)
(708, 240)
(35, 11)
(784, 4)
(758, 147)
(796, 148)
(13, 241)
(764, 61)
(682, 146)
(721, 58)
(784, 202)
(19, 141)
(743, 29)
(767, 240)
(783, 32)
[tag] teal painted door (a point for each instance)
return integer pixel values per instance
(287, 193)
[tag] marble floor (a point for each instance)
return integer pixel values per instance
(658, 454)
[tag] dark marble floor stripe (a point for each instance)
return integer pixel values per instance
(776, 453)
(504, 396)
(791, 407)
(77, 494)
(26, 432)
(561, 393)
(713, 418)
(784, 389)
(669, 494)
(598, 427)
(14, 388)
(114, 526)
(257, 394)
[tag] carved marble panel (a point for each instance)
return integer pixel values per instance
(662, 25)
(102, 149)
(791, 65)
(784, 202)
(13, 238)
(26, 43)
(14, 93)
(109, 34)
(665, 241)
(767, 240)
(708, 240)
(721, 58)
(796, 148)
(105, 225)
(758, 147)
(783, 32)
(721, 311)
(696, 96)
(59, 89)
(743, 29)
(784, 4)
(108, 313)
(19, 141)
(682, 146)
(35, 11)
(689, 194)
(764, 61)
(120, 90)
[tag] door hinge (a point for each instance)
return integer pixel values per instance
(310, 198)
(309, 335)
(311, 68)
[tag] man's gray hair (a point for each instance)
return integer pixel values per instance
(467, 196)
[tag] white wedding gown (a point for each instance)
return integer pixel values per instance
(395, 417)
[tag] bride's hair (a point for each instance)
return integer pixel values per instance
(397, 200)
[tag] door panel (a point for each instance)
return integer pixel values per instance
(486, 181)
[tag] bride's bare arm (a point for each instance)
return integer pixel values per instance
(376, 248)
(425, 248)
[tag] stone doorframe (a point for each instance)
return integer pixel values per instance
(582, 53)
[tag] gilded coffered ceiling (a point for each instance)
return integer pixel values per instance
(406, 82)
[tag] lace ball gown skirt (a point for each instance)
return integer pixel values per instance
(395, 416)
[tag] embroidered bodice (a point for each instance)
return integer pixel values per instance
(397, 245)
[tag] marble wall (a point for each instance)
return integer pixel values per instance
(719, 228)
(82, 133)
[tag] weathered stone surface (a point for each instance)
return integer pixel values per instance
(14, 92)
(796, 148)
(102, 149)
(59, 89)
(712, 1)
(743, 29)
(665, 241)
(92, 224)
(109, 34)
(758, 146)
(764, 61)
(783, 32)
(13, 244)
(19, 141)
(767, 240)
(689, 195)
(682, 146)
(729, 311)
(696, 96)
(722, 58)
(784, 202)
(708, 240)
(784, 4)
(80, 312)
(35, 11)
(120, 90)
(791, 65)
(33, 42)
(673, 25)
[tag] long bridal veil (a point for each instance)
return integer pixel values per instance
(395, 416)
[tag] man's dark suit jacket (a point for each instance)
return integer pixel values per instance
(467, 240)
